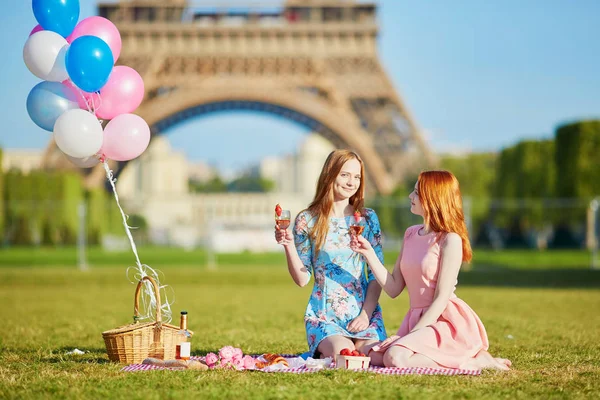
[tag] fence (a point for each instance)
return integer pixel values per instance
(510, 223)
(492, 223)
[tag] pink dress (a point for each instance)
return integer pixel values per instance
(458, 335)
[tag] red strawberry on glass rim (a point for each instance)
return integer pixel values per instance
(357, 216)
(278, 210)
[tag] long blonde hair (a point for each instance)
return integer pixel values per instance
(320, 208)
(440, 197)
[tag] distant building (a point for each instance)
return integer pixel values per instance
(200, 172)
(155, 186)
(159, 171)
(298, 173)
(24, 160)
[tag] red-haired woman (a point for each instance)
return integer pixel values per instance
(343, 310)
(440, 330)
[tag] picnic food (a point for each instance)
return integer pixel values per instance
(181, 364)
(271, 359)
(357, 216)
(351, 359)
(348, 352)
(278, 210)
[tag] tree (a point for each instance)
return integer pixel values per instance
(577, 175)
(139, 228)
(215, 185)
(577, 158)
(476, 173)
(525, 179)
(18, 206)
(250, 184)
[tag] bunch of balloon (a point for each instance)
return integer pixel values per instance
(81, 86)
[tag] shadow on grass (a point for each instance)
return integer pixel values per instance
(497, 275)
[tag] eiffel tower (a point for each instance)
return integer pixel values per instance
(314, 62)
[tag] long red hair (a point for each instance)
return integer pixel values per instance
(440, 197)
(324, 196)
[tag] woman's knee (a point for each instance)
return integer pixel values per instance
(332, 345)
(365, 346)
(396, 356)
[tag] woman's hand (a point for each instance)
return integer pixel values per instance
(359, 323)
(283, 237)
(383, 346)
(360, 245)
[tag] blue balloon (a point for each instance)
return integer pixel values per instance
(89, 62)
(59, 16)
(49, 100)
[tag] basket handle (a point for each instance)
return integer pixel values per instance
(136, 304)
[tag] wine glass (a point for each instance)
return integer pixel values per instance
(283, 221)
(357, 226)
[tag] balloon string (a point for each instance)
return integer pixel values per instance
(93, 105)
(99, 102)
(149, 301)
(86, 102)
(90, 103)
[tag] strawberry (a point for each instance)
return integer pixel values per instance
(278, 210)
(346, 352)
(362, 355)
(357, 216)
(355, 353)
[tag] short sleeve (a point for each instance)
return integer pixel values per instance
(407, 233)
(302, 240)
(374, 237)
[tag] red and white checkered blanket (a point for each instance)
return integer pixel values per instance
(303, 370)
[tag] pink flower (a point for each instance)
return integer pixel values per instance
(249, 362)
(237, 353)
(236, 359)
(211, 359)
(226, 353)
(238, 363)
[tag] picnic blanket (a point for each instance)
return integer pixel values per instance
(304, 369)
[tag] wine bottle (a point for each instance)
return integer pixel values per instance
(183, 348)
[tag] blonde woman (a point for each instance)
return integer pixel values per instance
(343, 310)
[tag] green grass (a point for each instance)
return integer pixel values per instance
(550, 312)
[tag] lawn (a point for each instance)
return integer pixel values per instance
(540, 310)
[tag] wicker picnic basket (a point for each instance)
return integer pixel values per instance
(135, 342)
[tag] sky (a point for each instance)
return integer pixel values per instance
(477, 75)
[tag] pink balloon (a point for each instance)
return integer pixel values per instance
(82, 97)
(102, 28)
(122, 94)
(37, 28)
(125, 137)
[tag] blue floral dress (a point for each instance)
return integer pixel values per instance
(341, 279)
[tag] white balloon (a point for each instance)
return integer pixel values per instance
(85, 162)
(44, 54)
(78, 133)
